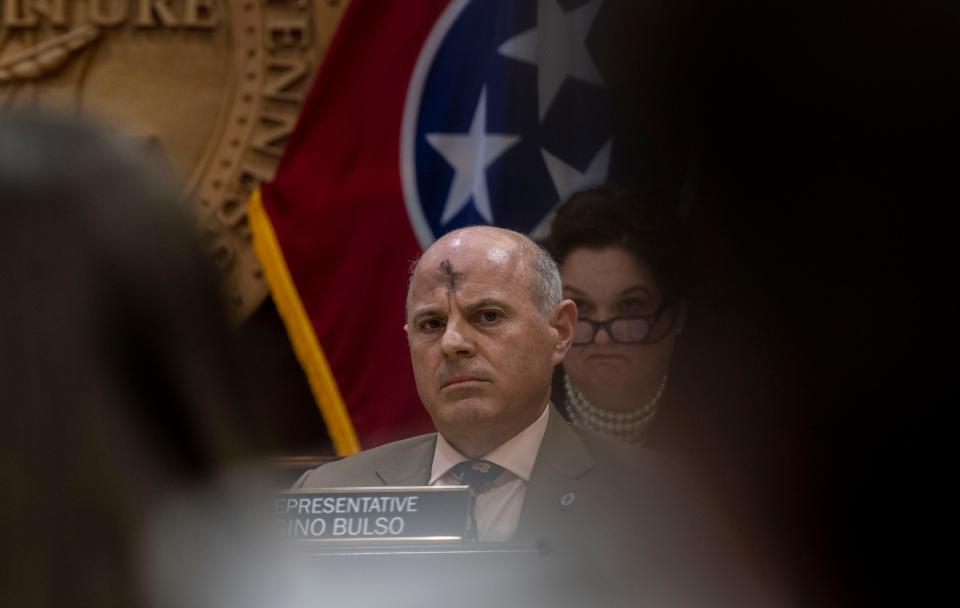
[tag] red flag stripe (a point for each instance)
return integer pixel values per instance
(337, 210)
(300, 330)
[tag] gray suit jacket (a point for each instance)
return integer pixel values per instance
(580, 477)
(611, 516)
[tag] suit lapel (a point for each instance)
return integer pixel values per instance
(562, 460)
(412, 468)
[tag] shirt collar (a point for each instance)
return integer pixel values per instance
(517, 455)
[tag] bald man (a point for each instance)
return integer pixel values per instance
(486, 324)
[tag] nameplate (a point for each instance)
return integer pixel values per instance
(417, 513)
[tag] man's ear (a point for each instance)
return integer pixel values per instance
(406, 329)
(563, 321)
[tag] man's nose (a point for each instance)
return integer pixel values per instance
(457, 340)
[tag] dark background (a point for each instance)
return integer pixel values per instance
(820, 139)
(815, 146)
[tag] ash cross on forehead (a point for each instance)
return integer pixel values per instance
(449, 276)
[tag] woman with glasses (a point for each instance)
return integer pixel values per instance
(618, 256)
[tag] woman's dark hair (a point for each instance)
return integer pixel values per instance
(641, 221)
(116, 374)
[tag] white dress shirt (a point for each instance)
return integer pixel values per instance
(499, 504)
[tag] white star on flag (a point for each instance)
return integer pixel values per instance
(567, 180)
(470, 154)
(558, 47)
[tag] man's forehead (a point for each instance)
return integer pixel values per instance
(483, 240)
(474, 253)
(460, 261)
(456, 273)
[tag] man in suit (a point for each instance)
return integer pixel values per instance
(486, 325)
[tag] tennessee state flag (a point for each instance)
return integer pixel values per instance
(425, 116)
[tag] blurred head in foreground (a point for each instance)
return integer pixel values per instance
(113, 360)
(618, 257)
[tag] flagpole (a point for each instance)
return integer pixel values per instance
(300, 329)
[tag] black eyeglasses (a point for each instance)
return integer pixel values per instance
(634, 329)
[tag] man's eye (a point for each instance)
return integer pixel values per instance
(431, 324)
(489, 317)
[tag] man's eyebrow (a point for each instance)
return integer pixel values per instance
(430, 311)
(574, 290)
(488, 303)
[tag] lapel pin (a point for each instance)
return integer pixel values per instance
(567, 500)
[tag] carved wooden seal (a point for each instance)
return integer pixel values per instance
(215, 85)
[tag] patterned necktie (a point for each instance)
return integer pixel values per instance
(476, 474)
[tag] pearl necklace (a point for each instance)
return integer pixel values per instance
(625, 426)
